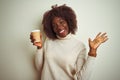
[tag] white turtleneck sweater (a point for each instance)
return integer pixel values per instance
(64, 59)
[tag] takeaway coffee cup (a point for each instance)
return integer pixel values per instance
(36, 35)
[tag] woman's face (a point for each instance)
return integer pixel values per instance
(60, 27)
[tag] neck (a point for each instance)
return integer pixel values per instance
(66, 37)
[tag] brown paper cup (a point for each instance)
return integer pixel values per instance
(36, 35)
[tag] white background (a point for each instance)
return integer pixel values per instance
(19, 17)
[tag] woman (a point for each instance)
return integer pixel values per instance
(62, 56)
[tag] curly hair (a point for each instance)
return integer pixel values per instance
(62, 11)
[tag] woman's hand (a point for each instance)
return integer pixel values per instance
(94, 44)
(38, 44)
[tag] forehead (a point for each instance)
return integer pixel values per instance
(57, 19)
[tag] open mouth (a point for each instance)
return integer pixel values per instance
(61, 31)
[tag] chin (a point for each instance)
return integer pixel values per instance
(63, 36)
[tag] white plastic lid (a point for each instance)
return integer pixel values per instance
(36, 30)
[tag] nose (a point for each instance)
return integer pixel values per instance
(59, 26)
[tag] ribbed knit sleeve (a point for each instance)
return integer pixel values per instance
(84, 67)
(39, 59)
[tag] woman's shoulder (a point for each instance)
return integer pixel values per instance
(79, 42)
(48, 41)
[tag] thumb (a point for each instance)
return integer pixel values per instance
(89, 40)
(38, 44)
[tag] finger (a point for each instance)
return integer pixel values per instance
(32, 40)
(103, 34)
(89, 40)
(37, 44)
(105, 39)
(31, 36)
(98, 34)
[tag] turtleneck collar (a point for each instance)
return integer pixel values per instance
(67, 37)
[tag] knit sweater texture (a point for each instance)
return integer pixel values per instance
(64, 59)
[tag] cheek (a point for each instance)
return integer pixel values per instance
(67, 28)
(55, 30)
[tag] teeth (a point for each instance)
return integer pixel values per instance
(61, 31)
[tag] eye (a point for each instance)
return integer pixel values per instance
(62, 22)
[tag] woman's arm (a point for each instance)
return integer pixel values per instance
(84, 67)
(39, 59)
(39, 52)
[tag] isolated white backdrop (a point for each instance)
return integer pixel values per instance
(19, 17)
